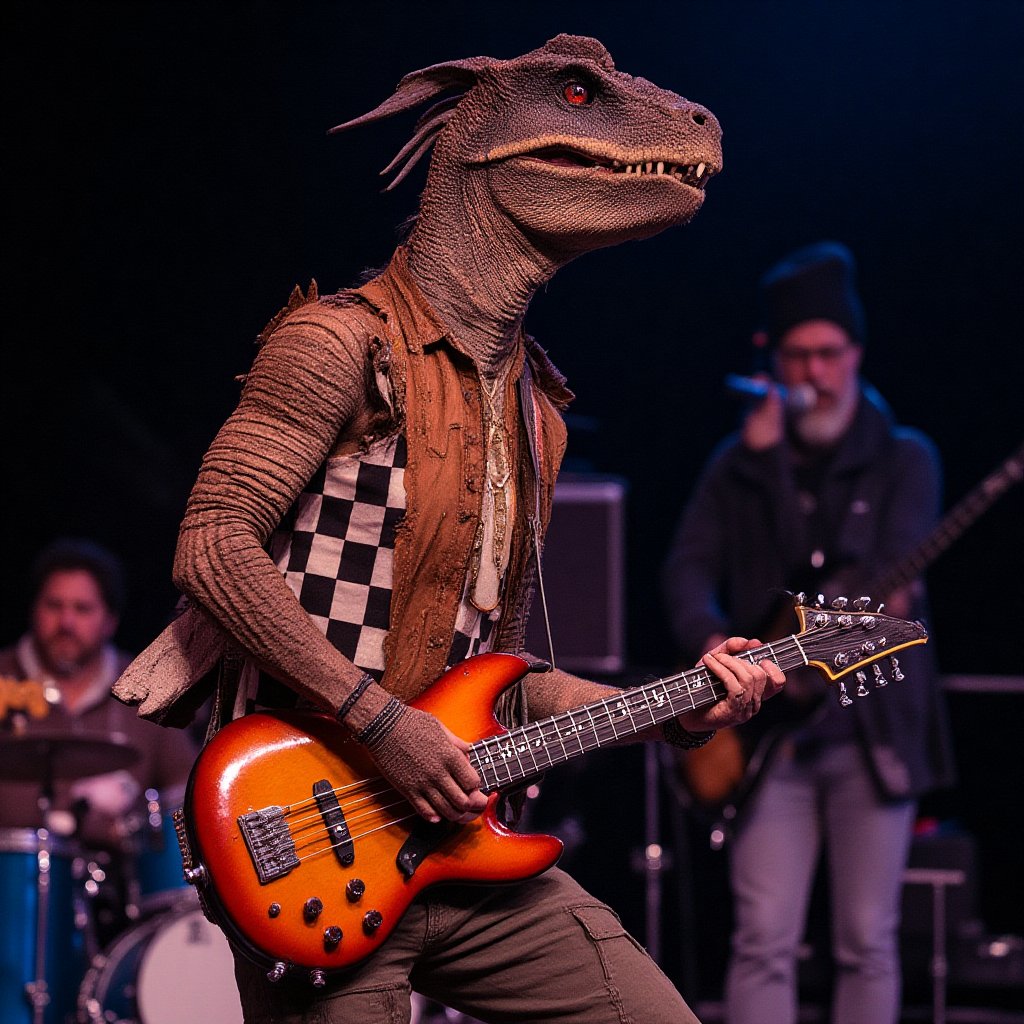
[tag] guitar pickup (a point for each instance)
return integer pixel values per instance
(334, 819)
(269, 843)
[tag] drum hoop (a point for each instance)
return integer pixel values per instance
(27, 840)
(100, 973)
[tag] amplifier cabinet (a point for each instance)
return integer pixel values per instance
(584, 577)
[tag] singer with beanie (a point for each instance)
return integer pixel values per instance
(818, 496)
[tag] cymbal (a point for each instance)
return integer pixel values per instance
(33, 756)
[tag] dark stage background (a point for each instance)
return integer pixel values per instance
(169, 179)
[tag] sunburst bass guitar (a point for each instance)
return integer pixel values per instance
(307, 858)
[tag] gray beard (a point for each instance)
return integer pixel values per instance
(820, 428)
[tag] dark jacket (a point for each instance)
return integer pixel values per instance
(742, 541)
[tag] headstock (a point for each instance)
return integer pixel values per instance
(847, 637)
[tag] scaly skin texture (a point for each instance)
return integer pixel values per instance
(522, 180)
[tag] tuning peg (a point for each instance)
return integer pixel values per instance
(896, 673)
(862, 690)
(881, 606)
(799, 599)
(880, 679)
(840, 603)
(844, 697)
(861, 603)
(819, 601)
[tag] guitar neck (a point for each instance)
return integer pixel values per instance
(953, 525)
(524, 753)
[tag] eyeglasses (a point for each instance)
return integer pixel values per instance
(829, 354)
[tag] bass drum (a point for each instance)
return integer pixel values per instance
(174, 967)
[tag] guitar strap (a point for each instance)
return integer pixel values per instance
(226, 692)
(532, 423)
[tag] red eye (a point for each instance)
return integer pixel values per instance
(576, 93)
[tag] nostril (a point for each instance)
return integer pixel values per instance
(698, 118)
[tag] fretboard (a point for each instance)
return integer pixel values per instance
(515, 757)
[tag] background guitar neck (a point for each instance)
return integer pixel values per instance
(953, 525)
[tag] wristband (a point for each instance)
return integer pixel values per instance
(382, 723)
(676, 736)
(349, 702)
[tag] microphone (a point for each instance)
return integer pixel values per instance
(798, 399)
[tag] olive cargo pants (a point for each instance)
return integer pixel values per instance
(542, 950)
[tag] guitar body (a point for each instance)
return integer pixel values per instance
(273, 760)
(308, 858)
(723, 775)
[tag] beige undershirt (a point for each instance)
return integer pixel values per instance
(498, 506)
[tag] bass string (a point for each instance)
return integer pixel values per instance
(323, 833)
(346, 807)
(603, 723)
(362, 835)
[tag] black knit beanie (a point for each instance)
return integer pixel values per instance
(814, 283)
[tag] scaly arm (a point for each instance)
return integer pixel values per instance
(305, 388)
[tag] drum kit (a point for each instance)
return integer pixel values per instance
(166, 964)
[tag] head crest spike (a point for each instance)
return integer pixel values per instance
(430, 122)
(426, 134)
(419, 86)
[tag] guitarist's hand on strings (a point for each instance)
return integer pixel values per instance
(747, 684)
(428, 765)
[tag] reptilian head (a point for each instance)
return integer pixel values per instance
(572, 152)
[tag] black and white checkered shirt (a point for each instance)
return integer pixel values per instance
(336, 547)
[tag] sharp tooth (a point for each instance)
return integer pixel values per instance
(649, 166)
(661, 167)
(615, 163)
(700, 169)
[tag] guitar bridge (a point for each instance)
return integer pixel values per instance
(269, 843)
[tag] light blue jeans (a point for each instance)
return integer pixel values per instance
(828, 799)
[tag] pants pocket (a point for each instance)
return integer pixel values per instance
(603, 927)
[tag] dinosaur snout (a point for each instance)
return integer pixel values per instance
(702, 118)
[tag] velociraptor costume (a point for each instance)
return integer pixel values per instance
(417, 406)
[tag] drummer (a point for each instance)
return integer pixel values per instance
(55, 681)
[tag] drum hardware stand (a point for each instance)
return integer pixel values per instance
(679, 840)
(653, 860)
(38, 991)
(656, 858)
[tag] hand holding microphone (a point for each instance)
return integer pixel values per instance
(798, 399)
(765, 424)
